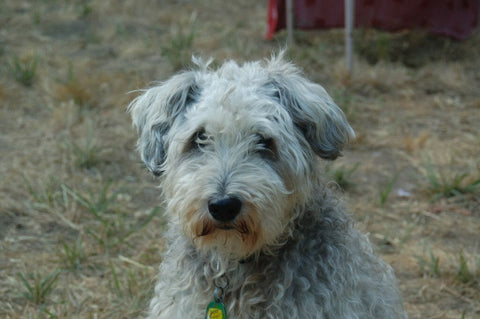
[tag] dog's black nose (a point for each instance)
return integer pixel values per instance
(225, 209)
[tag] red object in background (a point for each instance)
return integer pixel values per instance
(452, 18)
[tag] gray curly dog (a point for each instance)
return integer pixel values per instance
(253, 231)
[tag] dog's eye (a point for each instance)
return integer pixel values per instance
(201, 136)
(200, 139)
(266, 146)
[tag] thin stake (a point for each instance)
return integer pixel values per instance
(349, 22)
(289, 13)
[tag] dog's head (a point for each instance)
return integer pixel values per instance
(236, 150)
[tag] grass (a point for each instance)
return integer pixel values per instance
(23, 70)
(37, 288)
(128, 286)
(342, 175)
(44, 197)
(125, 283)
(443, 185)
(386, 190)
(86, 206)
(85, 9)
(429, 265)
(112, 226)
(73, 255)
(346, 101)
(464, 274)
(76, 88)
(97, 202)
(179, 49)
(86, 154)
(412, 49)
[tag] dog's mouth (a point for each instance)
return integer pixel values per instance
(241, 226)
(223, 226)
(241, 236)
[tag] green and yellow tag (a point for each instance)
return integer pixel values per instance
(216, 310)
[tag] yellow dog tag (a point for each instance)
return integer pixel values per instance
(216, 310)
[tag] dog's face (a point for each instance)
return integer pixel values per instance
(236, 150)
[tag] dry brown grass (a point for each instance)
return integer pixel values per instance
(76, 204)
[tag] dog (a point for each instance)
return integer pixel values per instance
(253, 229)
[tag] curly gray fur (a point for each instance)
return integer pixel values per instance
(255, 132)
(326, 269)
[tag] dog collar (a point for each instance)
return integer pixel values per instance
(246, 260)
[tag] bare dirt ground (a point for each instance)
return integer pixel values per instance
(80, 220)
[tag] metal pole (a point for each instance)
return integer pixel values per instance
(349, 23)
(289, 4)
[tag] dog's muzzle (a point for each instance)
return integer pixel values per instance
(226, 209)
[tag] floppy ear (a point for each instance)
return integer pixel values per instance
(154, 112)
(312, 110)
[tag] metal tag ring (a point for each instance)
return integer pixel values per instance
(218, 294)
